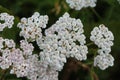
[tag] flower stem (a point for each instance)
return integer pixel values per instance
(110, 13)
(91, 71)
(89, 44)
(3, 74)
(94, 11)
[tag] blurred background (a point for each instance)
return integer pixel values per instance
(106, 12)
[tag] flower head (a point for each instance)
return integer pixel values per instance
(103, 61)
(6, 20)
(31, 27)
(103, 38)
(63, 39)
(79, 4)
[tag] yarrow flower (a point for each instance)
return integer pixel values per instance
(79, 4)
(63, 39)
(103, 38)
(37, 70)
(6, 47)
(23, 62)
(103, 61)
(31, 27)
(31, 67)
(118, 1)
(26, 47)
(14, 57)
(90, 3)
(6, 20)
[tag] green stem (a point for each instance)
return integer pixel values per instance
(91, 72)
(95, 12)
(110, 13)
(89, 44)
(89, 63)
(3, 74)
(96, 51)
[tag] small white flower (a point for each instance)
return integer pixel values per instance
(76, 4)
(63, 39)
(9, 43)
(26, 47)
(1, 42)
(7, 21)
(91, 3)
(31, 27)
(103, 38)
(5, 62)
(48, 74)
(103, 61)
(21, 69)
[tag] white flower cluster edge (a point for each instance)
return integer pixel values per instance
(118, 1)
(103, 38)
(62, 40)
(79, 4)
(6, 20)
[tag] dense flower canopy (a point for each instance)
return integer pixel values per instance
(103, 38)
(7, 19)
(62, 40)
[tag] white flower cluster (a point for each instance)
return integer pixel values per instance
(63, 39)
(6, 47)
(23, 62)
(118, 1)
(21, 67)
(31, 67)
(36, 69)
(103, 38)
(103, 61)
(11, 56)
(79, 4)
(31, 27)
(50, 54)
(6, 20)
